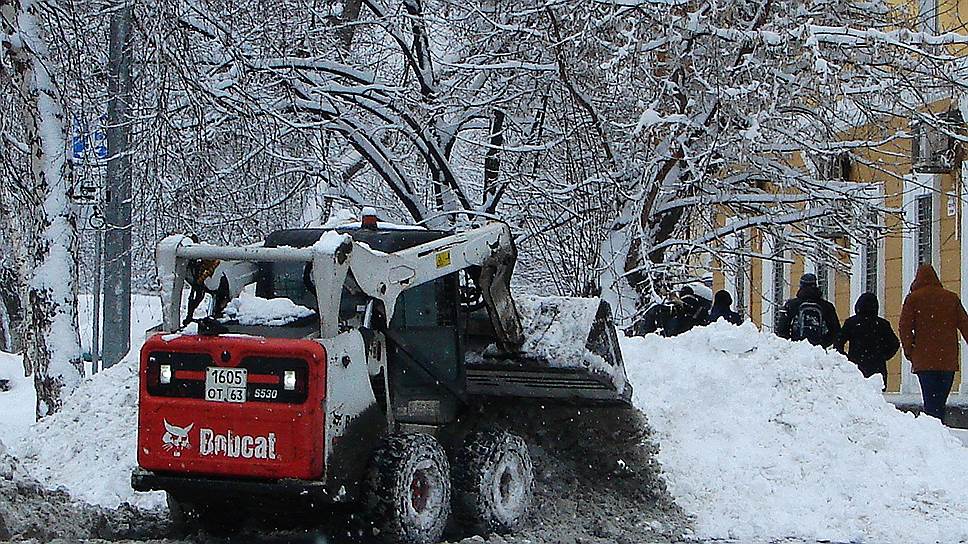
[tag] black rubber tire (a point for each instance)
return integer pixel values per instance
(493, 482)
(408, 490)
(192, 518)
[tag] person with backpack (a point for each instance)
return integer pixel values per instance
(722, 302)
(931, 318)
(871, 339)
(808, 316)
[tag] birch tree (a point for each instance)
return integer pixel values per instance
(52, 351)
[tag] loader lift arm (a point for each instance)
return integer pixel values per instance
(381, 276)
(515, 354)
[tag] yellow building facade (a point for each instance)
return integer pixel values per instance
(923, 219)
(921, 187)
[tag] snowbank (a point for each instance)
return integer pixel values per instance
(562, 333)
(762, 438)
(556, 328)
(89, 447)
(93, 439)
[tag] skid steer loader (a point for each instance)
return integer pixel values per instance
(346, 366)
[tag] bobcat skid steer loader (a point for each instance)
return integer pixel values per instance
(346, 366)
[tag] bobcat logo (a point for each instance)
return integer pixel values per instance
(176, 438)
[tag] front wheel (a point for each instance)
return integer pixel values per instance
(408, 490)
(493, 482)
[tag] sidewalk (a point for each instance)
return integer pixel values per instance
(956, 416)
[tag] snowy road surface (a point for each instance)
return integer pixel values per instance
(760, 440)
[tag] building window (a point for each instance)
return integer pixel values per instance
(925, 219)
(870, 266)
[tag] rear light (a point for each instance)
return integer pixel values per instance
(289, 380)
(369, 218)
(172, 374)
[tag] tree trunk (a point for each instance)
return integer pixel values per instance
(11, 313)
(52, 350)
(351, 12)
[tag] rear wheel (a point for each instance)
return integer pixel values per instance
(408, 490)
(493, 482)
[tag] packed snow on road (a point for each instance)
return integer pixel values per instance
(754, 437)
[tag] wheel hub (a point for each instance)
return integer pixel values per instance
(419, 491)
(505, 485)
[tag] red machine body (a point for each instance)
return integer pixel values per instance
(276, 433)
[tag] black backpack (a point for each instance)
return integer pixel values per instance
(809, 324)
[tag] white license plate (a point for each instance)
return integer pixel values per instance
(225, 384)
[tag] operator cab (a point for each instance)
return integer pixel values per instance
(423, 341)
(424, 319)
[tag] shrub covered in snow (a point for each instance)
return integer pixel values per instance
(764, 438)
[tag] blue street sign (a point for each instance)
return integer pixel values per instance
(88, 143)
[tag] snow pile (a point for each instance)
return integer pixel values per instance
(556, 328)
(27, 510)
(271, 312)
(561, 332)
(89, 447)
(764, 438)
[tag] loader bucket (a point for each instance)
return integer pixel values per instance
(570, 352)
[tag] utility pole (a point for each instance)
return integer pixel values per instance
(117, 191)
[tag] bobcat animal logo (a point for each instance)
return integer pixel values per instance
(176, 438)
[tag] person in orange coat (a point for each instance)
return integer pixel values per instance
(931, 319)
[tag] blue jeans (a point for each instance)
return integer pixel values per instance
(935, 386)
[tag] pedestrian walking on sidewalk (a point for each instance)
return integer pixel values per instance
(722, 302)
(808, 316)
(931, 319)
(871, 339)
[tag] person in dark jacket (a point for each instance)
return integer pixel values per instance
(871, 339)
(655, 319)
(722, 303)
(687, 312)
(808, 316)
